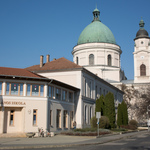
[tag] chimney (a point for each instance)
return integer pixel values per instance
(54, 59)
(41, 61)
(47, 58)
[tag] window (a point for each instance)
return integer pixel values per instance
(142, 70)
(51, 91)
(91, 59)
(90, 86)
(35, 117)
(35, 90)
(58, 119)
(70, 97)
(104, 92)
(85, 88)
(0, 87)
(14, 88)
(100, 91)
(58, 93)
(96, 91)
(90, 112)
(77, 60)
(109, 60)
(71, 119)
(12, 118)
(65, 119)
(50, 119)
(86, 115)
(64, 95)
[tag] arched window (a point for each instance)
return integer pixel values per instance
(109, 60)
(142, 70)
(91, 59)
(77, 60)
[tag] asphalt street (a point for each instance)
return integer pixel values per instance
(129, 141)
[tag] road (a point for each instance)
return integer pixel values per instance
(140, 142)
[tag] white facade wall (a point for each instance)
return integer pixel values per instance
(100, 52)
(21, 108)
(89, 86)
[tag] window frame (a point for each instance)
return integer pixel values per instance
(35, 114)
(30, 92)
(12, 116)
(8, 90)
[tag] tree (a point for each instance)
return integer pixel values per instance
(110, 108)
(100, 105)
(97, 106)
(122, 114)
(119, 116)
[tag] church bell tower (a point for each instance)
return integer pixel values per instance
(142, 55)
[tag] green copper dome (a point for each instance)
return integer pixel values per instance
(96, 32)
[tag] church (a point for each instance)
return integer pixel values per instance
(55, 93)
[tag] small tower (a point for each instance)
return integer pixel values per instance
(96, 14)
(142, 55)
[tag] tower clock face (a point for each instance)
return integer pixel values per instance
(142, 57)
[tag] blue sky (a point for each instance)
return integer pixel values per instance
(30, 28)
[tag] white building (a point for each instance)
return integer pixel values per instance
(29, 101)
(90, 85)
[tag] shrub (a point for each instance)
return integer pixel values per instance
(104, 122)
(133, 122)
(93, 122)
(129, 127)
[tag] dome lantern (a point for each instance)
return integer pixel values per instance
(96, 14)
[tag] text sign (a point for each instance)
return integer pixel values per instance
(98, 114)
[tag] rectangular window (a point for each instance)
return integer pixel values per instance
(71, 119)
(14, 88)
(70, 97)
(21, 89)
(12, 117)
(65, 119)
(64, 95)
(85, 88)
(28, 89)
(35, 90)
(50, 119)
(58, 93)
(34, 117)
(58, 119)
(100, 91)
(51, 91)
(7, 89)
(0, 87)
(90, 86)
(42, 90)
(96, 92)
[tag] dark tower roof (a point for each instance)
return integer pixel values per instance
(142, 33)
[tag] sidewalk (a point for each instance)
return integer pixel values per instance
(60, 140)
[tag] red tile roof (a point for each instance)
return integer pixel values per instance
(55, 65)
(17, 72)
